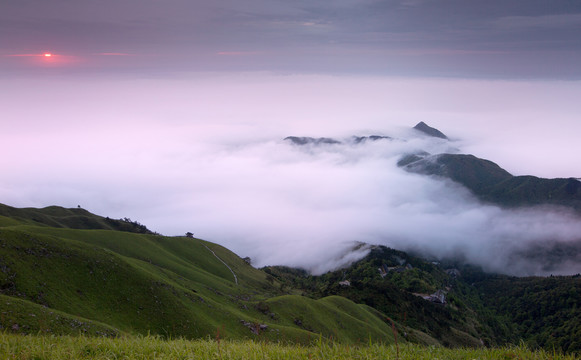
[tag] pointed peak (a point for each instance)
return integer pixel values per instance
(428, 130)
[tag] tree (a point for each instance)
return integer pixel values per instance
(189, 234)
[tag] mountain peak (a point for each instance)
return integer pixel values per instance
(428, 130)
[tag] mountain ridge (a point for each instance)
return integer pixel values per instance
(489, 182)
(484, 178)
(101, 282)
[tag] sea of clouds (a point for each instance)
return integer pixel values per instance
(206, 154)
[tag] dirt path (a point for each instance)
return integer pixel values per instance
(217, 257)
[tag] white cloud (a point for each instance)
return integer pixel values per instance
(205, 154)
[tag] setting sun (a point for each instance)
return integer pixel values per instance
(47, 55)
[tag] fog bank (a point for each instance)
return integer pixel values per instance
(205, 154)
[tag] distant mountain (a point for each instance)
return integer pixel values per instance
(428, 130)
(487, 180)
(305, 140)
(362, 139)
(491, 183)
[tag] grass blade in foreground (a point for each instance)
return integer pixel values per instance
(67, 347)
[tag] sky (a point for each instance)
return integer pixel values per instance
(521, 39)
(172, 113)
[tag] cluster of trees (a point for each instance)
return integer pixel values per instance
(497, 309)
(546, 311)
(393, 294)
(126, 224)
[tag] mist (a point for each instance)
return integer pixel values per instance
(309, 206)
(205, 153)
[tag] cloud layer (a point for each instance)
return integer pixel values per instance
(205, 154)
(307, 206)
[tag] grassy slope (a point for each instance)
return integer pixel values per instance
(26, 316)
(76, 218)
(357, 325)
(491, 183)
(138, 283)
(459, 323)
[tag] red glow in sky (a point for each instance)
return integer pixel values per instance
(50, 59)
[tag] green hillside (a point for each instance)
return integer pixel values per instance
(113, 282)
(491, 183)
(56, 216)
(24, 316)
(58, 280)
(546, 312)
(396, 284)
(479, 307)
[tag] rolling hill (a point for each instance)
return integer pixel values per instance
(60, 278)
(102, 282)
(453, 304)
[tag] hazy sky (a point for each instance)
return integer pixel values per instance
(172, 113)
(494, 38)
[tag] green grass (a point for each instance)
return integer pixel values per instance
(139, 284)
(138, 287)
(356, 325)
(184, 256)
(56, 216)
(19, 315)
(150, 347)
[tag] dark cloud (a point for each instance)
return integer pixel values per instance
(435, 38)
